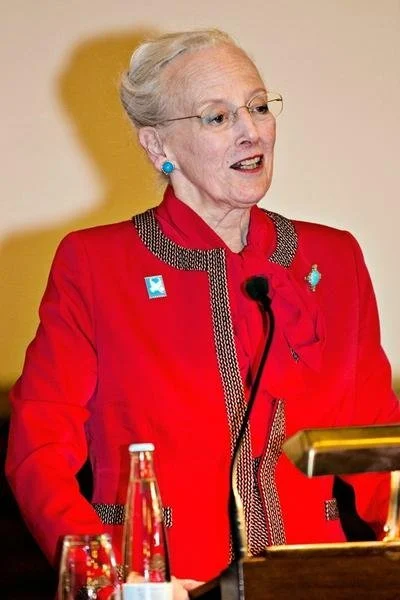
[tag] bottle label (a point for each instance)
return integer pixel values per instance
(147, 591)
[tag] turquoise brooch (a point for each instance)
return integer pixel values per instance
(313, 278)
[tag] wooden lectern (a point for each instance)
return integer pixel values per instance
(345, 571)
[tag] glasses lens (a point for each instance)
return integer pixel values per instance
(215, 117)
(264, 106)
(258, 107)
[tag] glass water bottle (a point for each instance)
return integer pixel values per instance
(145, 551)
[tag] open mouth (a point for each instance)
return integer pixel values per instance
(248, 164)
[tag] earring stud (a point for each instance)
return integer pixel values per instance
(167, 167)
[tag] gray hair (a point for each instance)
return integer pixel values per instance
(140, 91)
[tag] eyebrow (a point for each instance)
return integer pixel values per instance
(207, 101)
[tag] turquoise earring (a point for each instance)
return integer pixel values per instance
(167, 167)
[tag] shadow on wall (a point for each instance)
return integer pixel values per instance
(88, 92)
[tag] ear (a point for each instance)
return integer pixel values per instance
(152, 144)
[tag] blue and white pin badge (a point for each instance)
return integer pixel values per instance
(155, 286)
(313, 278)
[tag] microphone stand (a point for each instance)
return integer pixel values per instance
(230, 583)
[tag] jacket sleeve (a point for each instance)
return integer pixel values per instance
(375, 401)
(47, 444)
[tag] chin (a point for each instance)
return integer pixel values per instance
(255, 194)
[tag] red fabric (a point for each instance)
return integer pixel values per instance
(109, 367)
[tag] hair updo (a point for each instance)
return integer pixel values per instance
(140, 91)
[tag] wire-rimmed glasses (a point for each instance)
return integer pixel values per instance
(220, 116)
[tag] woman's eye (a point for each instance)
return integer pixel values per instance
(216, 119)
(261, 109)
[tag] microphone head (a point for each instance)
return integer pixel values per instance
(257, 288)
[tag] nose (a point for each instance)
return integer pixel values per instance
(246, 127)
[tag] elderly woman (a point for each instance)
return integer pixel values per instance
(147, 333)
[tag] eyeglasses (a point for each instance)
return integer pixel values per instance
(219, 116)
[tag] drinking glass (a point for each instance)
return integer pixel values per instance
(88, 569)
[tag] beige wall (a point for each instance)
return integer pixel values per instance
(70, 159)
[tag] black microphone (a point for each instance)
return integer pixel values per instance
(257, 289)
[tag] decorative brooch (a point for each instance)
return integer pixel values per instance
(155, 286)
(313, 278)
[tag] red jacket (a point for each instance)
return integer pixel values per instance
(110, 366)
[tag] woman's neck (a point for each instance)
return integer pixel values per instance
(231, 226)
(230, 223)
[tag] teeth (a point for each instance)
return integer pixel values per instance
(249, 163)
